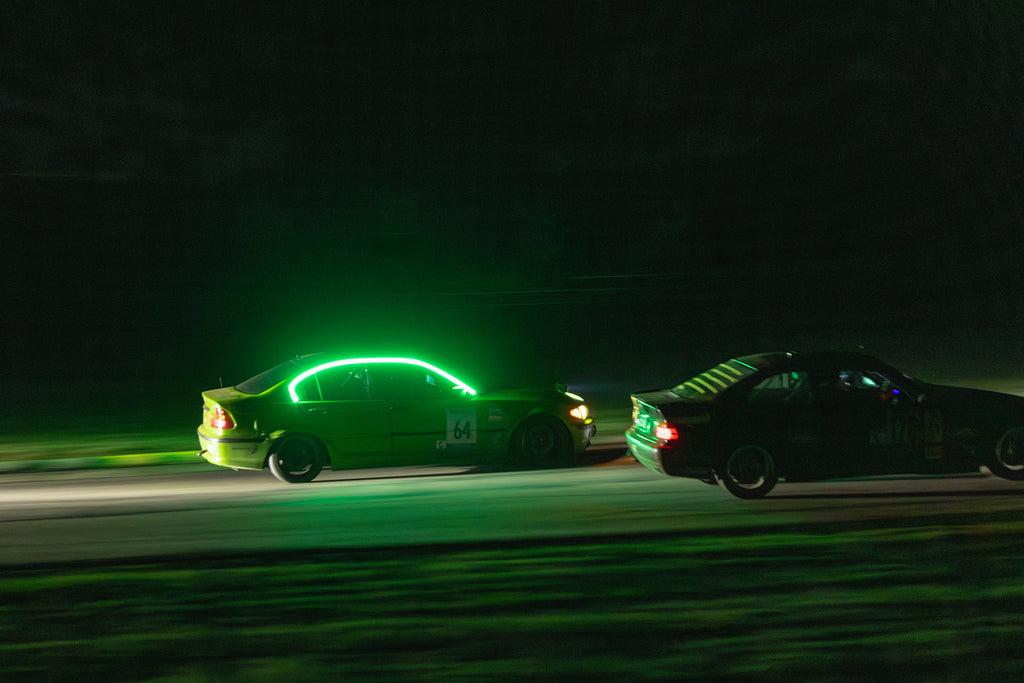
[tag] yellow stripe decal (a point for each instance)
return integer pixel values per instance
(709, 387)
(714, 379)
(728, 379)
(694, 386)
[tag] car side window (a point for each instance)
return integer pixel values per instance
(343, 383)
(858, 387)
(877, 386)
(399, 382)
(782, 388)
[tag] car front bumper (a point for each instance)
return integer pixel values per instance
(586, 434)
(238, 453)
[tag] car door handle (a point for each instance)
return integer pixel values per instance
(400, 409)
(319, 411)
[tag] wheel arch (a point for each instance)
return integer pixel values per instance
(534, 412)
(541, 414)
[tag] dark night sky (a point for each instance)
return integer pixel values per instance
(607, 192)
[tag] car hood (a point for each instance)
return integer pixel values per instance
(523, 393)
(954, 397)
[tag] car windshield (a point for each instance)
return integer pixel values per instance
(707, 385)
(274, 376)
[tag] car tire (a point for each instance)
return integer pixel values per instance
(1007, 460)
(748, 472)
(296, 459)
(541, 442)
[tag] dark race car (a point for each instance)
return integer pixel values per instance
(317, 410)
(801, 417)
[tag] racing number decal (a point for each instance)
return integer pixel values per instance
(461, 427)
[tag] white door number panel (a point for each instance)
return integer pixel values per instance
(461, 427)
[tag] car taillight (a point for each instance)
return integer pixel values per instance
(666, 431)
(580, 412)
(219, 419)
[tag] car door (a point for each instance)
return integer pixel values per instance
(776, 414)
(335, 406)
(430, 420)
(900, 428)
(868, 424)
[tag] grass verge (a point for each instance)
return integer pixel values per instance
(919, 604)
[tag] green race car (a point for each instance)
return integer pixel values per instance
(315, 411)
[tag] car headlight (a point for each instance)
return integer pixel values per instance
(580, 412)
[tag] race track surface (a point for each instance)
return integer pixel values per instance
(152, 512)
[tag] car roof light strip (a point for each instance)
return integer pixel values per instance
(359, 361)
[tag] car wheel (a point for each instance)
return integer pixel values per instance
(296, 459)
(748, 473)
(541, 442)
(1008, 459)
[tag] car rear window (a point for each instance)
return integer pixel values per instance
(707, 385)
(271, 378)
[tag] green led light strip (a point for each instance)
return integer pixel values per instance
(360, 361)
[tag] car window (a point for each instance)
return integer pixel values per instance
(343, 383)
(270, 378)
(394, 381)
(719, 378)
(782, 388)
(856, 385)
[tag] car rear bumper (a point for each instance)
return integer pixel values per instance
(646, 454)
(238, 453)
(672, 462)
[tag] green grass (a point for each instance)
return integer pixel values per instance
(919, 604)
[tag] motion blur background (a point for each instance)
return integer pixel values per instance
(608, 194)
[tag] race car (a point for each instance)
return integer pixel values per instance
(750, 421)
(318, 410)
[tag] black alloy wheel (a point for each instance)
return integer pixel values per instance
(1008, 459)
(749, 472)
(296, 459)
(541, 442)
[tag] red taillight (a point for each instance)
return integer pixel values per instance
(219, 419)
(666, 431)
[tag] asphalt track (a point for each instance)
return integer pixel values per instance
(200, 510)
